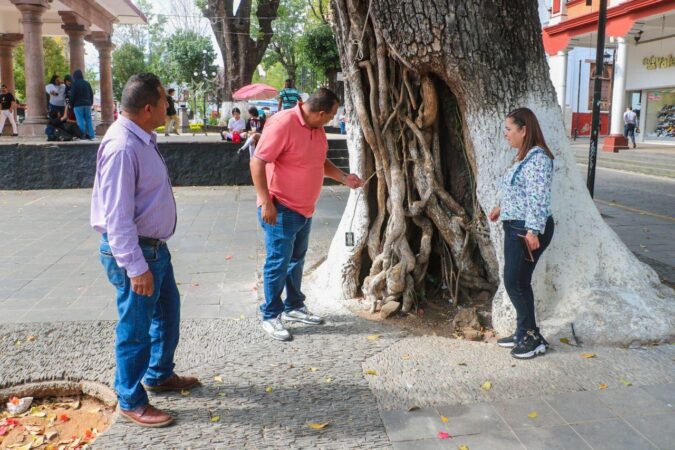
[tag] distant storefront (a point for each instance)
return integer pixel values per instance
(651, 78)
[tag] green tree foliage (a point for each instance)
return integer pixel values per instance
(320, 50)
(187, 53)
(55, 62)
(275, 75)
(287, 27)
(128, 60)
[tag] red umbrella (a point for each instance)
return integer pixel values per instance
(257, 91)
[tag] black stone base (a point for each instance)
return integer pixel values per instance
(67, 165)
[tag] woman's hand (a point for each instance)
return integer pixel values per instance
(494, 214)
(532, 241)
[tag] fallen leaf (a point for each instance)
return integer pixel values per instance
(564, 340)
(463, 447)
(89, 435)
(602, 386)
(413, 408)
(64, 418)
(405, 357)
(184, 392)
(443, 435)
(328, 379)
(444, 419)
(51, 434)
(215, 419)
(269, 390)
(533, 415)
(373, 337)
(461, 364)
(487, 386)
(218, 378)
(30, 338)
(588, 355)
(318, 426)
(229, 257)
(221, 394)
(18, 342)
(313, 369)
(370, 372)
(625, 382)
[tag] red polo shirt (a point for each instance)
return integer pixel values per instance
(295, 154)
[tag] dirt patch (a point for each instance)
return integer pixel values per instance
(434, 318)
(55, 423)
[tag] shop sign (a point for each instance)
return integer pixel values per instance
(654, 96)
(659, 62)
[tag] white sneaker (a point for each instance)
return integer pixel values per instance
(275, 328)
(301, 315)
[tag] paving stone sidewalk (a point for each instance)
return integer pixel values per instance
(52, 287)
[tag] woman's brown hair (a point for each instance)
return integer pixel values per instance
(524, 117)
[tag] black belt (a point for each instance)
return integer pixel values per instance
(150, 241)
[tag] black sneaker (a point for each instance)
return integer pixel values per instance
(507, 342)
(529, 347)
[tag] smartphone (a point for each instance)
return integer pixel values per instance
(527, 253)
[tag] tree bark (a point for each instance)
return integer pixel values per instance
(241, 53)
(428, 85)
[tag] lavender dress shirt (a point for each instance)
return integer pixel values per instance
(132, 193)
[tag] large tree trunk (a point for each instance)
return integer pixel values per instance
(428, 85)
(241, 53)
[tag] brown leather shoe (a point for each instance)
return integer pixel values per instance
(174, 383)
(146, 416)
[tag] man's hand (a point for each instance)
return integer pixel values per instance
(143, 284)
(494, 214)
(269, 212)
(353, 181)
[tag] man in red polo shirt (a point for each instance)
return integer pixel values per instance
(288, 168)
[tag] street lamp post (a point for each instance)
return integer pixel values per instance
(597, 92)
(204, 83)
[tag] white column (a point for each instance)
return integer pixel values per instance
(558, 72)
(619, 88)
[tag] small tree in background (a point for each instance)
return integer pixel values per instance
(128, 60)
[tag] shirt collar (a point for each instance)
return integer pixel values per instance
(138, 131)
(298, 113)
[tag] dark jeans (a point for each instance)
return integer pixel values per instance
(285, 246)
(59, 109)
(148, 327)
(518, 272)
(629, 131)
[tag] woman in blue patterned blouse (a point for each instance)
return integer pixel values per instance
(525, 212)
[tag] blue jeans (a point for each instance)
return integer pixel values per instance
(59, 109)
(518, 272)
(629, 131)
(83, 118)
(148, 327)
(286, 244)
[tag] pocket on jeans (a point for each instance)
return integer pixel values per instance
(116, 275)
(150, 253)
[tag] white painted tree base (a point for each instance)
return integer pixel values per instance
(587, 276)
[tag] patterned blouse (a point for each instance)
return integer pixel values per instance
(526, 190)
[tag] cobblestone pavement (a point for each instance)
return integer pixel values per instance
(51, 287)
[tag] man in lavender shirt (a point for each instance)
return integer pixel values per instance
(133, 208)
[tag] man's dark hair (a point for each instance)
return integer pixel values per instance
(141, 89)
(171, 91)
(322, 100)
(236, 110)
(289, 82)
(253, 111)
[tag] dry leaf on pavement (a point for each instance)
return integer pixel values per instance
(602, 386)
(588, 355)
(487, 386)
(533, 415)
(373, 337)
(318, 426)
(370, 372)
(218, 378)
